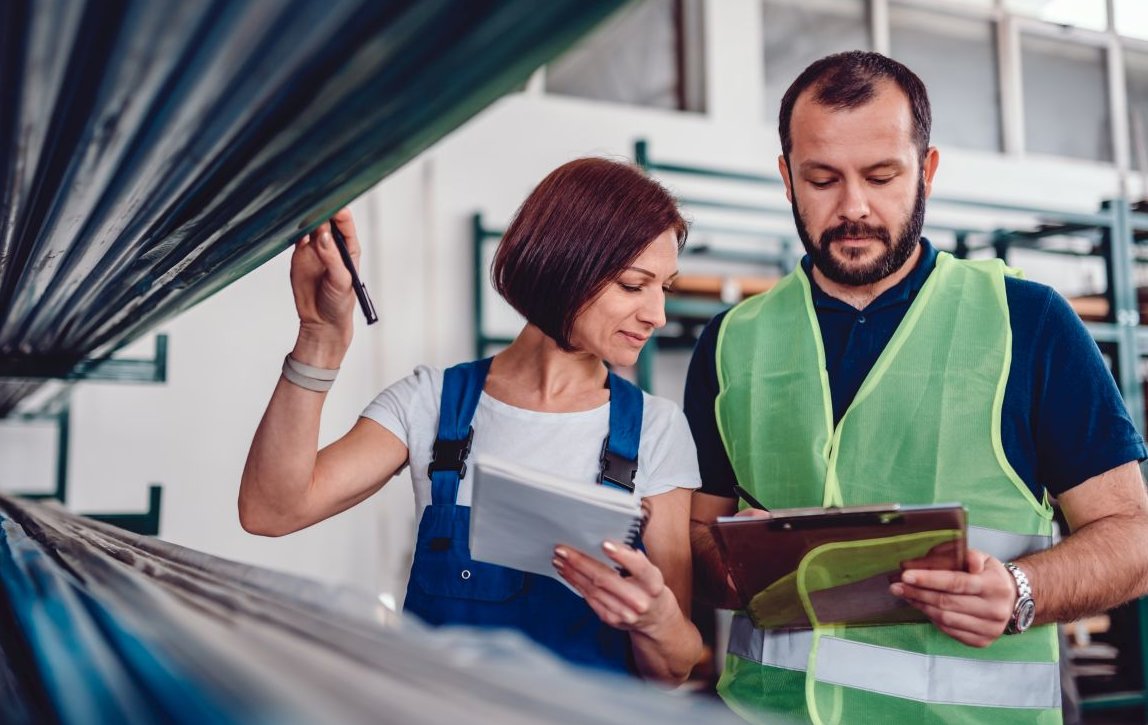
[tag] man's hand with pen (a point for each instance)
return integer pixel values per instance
(756, 509)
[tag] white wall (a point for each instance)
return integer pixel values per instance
(192, 433)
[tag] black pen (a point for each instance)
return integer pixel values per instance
(356, 283)
(748, 498)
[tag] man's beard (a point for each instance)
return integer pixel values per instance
(893, 258)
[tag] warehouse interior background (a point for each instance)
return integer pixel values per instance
(1040, 113)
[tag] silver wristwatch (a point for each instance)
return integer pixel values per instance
(1025, 609)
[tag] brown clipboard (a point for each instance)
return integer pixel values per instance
(807, 567)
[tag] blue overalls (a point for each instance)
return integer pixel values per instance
(448, 587)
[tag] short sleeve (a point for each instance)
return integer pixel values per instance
(667, 458)
(1081, 425)
(406, 406)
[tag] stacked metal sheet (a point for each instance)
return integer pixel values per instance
(153, 152)
(99, 626)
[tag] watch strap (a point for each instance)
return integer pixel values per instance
(1024, 600)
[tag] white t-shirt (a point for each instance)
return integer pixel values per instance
(567, 444)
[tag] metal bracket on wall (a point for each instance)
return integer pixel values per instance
(481, 234)
(101, 369)
(146, 522)
(58, 410)
(126, 370)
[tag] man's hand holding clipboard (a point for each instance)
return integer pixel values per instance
(796, 568)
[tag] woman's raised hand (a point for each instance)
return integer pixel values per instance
(321, 285)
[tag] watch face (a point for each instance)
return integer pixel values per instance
(1025, 613)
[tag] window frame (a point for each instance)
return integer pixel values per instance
(1010, 26)
(689, 64)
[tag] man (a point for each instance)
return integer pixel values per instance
(881, 370)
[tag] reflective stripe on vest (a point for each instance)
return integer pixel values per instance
(1005, 545)
(788, 650)
(932, 679)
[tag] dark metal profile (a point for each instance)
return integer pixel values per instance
(153, 152)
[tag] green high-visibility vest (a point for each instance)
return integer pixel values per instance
(923, 428)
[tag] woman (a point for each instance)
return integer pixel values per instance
(587, 262)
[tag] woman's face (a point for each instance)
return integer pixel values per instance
(617, 324)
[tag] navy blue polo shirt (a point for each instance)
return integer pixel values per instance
(1063, 420)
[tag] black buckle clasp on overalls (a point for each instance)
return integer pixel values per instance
(616, 470)
(451, 455)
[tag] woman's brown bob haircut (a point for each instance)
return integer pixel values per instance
(577, 232)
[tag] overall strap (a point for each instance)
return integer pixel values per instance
(619, 461)
(461, 389)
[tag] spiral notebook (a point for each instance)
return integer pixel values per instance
(518, 515)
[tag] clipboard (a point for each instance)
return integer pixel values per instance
(809, 567)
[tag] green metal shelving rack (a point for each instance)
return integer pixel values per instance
(57, 410)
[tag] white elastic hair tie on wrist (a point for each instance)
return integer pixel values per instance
(308, 377)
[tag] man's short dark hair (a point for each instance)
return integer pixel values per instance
(849, 80)
(580, 228)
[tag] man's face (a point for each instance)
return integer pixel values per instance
(857, 185)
